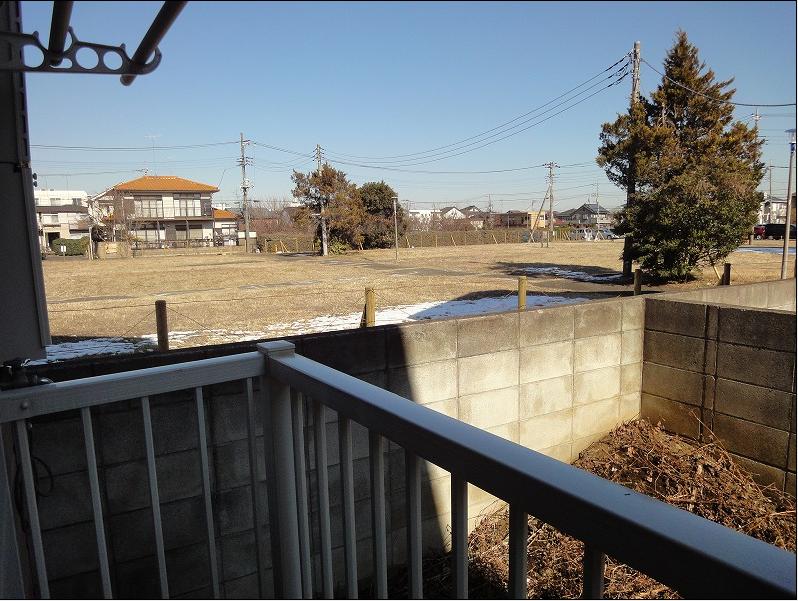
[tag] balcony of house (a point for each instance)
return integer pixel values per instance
(310, 467)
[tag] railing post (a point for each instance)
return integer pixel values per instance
(162, 325)
(11, 583)
(521, 292)
(281, 476)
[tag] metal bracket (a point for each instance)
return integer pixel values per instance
(68, 62)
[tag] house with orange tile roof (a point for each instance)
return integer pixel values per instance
(163, 211)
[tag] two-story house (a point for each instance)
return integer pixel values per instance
(165, 210)
(588, 215)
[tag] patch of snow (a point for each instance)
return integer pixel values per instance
(580, 276)
(92, 346)
(322, 323)
(771, 250)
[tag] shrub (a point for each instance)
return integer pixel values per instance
(73, 247)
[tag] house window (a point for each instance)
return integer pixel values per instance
(148, 207)
(188, 205)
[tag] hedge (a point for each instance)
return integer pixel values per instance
(73, 247)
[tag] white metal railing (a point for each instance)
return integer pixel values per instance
(688, 553)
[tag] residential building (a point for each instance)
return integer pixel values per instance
(588, 215)
(61, 214)
(452, 213)
(773, 209)
(165, 210)
(424, 219)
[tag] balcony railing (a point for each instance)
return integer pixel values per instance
(694, 556)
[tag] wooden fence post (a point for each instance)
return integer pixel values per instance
(161, 325)
(521, 292)
(638, 281)
(726, 280)
(371, 308)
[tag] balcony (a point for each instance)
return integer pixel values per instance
(248, 431)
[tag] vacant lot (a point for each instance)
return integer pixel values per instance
(239, 295)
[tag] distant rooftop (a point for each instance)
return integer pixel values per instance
(163, 183)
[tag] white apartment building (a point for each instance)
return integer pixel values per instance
(61, 214)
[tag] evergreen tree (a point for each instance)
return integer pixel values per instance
(695, 170)
(377, 200)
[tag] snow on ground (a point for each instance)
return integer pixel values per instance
(322, 323)
(771, 250)
(580, 276)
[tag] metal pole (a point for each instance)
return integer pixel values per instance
(62, 13)
(789, 210)
(149, 43)
(162, 325)
(395, 232)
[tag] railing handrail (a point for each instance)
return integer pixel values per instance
(693, 555)
(25, 403)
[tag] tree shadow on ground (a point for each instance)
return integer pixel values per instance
(578, 273)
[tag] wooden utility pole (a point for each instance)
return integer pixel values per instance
(244, 190)
(322, 202)
(630, 189)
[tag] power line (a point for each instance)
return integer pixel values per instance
(129, 148)
(696, 92)
(451, 154)
(459, 142)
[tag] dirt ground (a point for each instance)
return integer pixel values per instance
(247, 293)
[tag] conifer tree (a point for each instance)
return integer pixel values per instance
(696, 169)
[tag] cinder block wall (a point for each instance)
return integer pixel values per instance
(728, 370)
(553, 379)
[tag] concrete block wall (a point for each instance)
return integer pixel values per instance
(728, 371)
(777, 294)
(552, 379)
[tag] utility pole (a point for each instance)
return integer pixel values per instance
(395, 232)
(322, 201)
(791, 134)
(770, 180)
(244, 189)
(552, 166)
(630, 189)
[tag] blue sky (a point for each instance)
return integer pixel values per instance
(388, 79)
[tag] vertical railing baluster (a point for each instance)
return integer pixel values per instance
(518, 553)
(96, 502)
(298, 417)
(593, 573)
(206, 490)
(12, 585)
(155, 501)
(413, 502)
(257, 502)
(281, 474)
(348, 499)
(323, 489)
(33, 509)
(460, 536)
(379, 536)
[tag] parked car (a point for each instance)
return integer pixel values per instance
(759, 231)
(775, 231)
(608, 234)
(582, 233)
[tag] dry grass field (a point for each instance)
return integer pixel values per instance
(237, 293)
